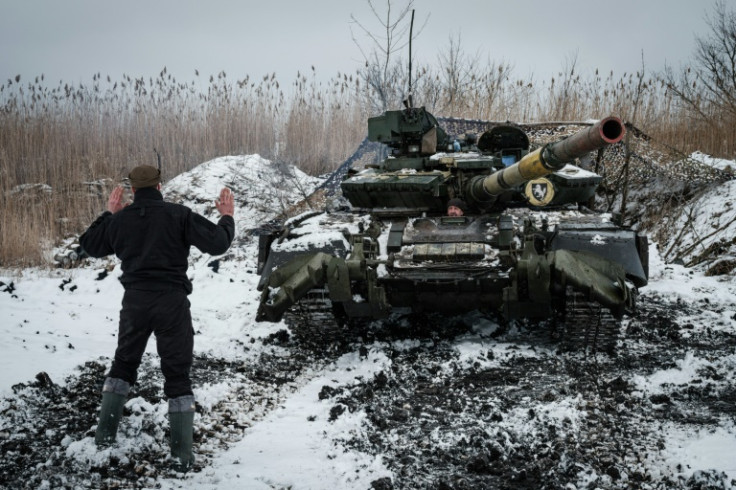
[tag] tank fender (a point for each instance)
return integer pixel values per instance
(290, 282)
(603, 279)
(624, 247)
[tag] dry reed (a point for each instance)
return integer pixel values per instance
(80, 140)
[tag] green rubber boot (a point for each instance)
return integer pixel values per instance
(181, 421)
(114, 394)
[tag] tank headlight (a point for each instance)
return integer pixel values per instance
(413, 148)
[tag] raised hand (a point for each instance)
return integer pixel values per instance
(225, 204)
(115, 202)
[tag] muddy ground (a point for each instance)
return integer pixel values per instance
(442, 420)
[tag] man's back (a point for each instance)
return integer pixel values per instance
(152, 239)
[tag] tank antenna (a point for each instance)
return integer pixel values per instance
(158, 158)
(411, 35)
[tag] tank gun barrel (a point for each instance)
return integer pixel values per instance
(548, 159)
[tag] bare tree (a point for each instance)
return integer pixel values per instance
(383, 72)
(708, 90)
(716, 58)
(457, 71)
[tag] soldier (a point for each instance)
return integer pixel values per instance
(456, 207)
(152, 238)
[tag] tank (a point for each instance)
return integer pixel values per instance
(526, 247)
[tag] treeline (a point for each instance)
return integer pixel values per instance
(63, 147)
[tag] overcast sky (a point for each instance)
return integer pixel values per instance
(71, 40)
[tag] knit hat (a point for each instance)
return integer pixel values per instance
(458, 203)
(144, 176)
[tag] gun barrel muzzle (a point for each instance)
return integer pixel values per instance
(603, 133)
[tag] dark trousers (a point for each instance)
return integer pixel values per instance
(165, 314)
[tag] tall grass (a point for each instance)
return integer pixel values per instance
(81, 140)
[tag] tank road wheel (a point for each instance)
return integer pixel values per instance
(587, 326)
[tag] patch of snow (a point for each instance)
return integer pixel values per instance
(296, 446)
(719, 163)
(689, 451)
(598, 240)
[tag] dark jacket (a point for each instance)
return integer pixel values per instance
(152, 237)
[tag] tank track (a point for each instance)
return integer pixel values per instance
(587, 326)
(313, 323)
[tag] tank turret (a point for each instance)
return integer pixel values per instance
(426, 168)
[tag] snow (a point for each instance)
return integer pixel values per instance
(702, 450)
(292, 447)
(574, 172)
(707, 448)
(685, 371)
(47, 328)
(261, 187)
(705, 222)
(719, 163)
(54, 321)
